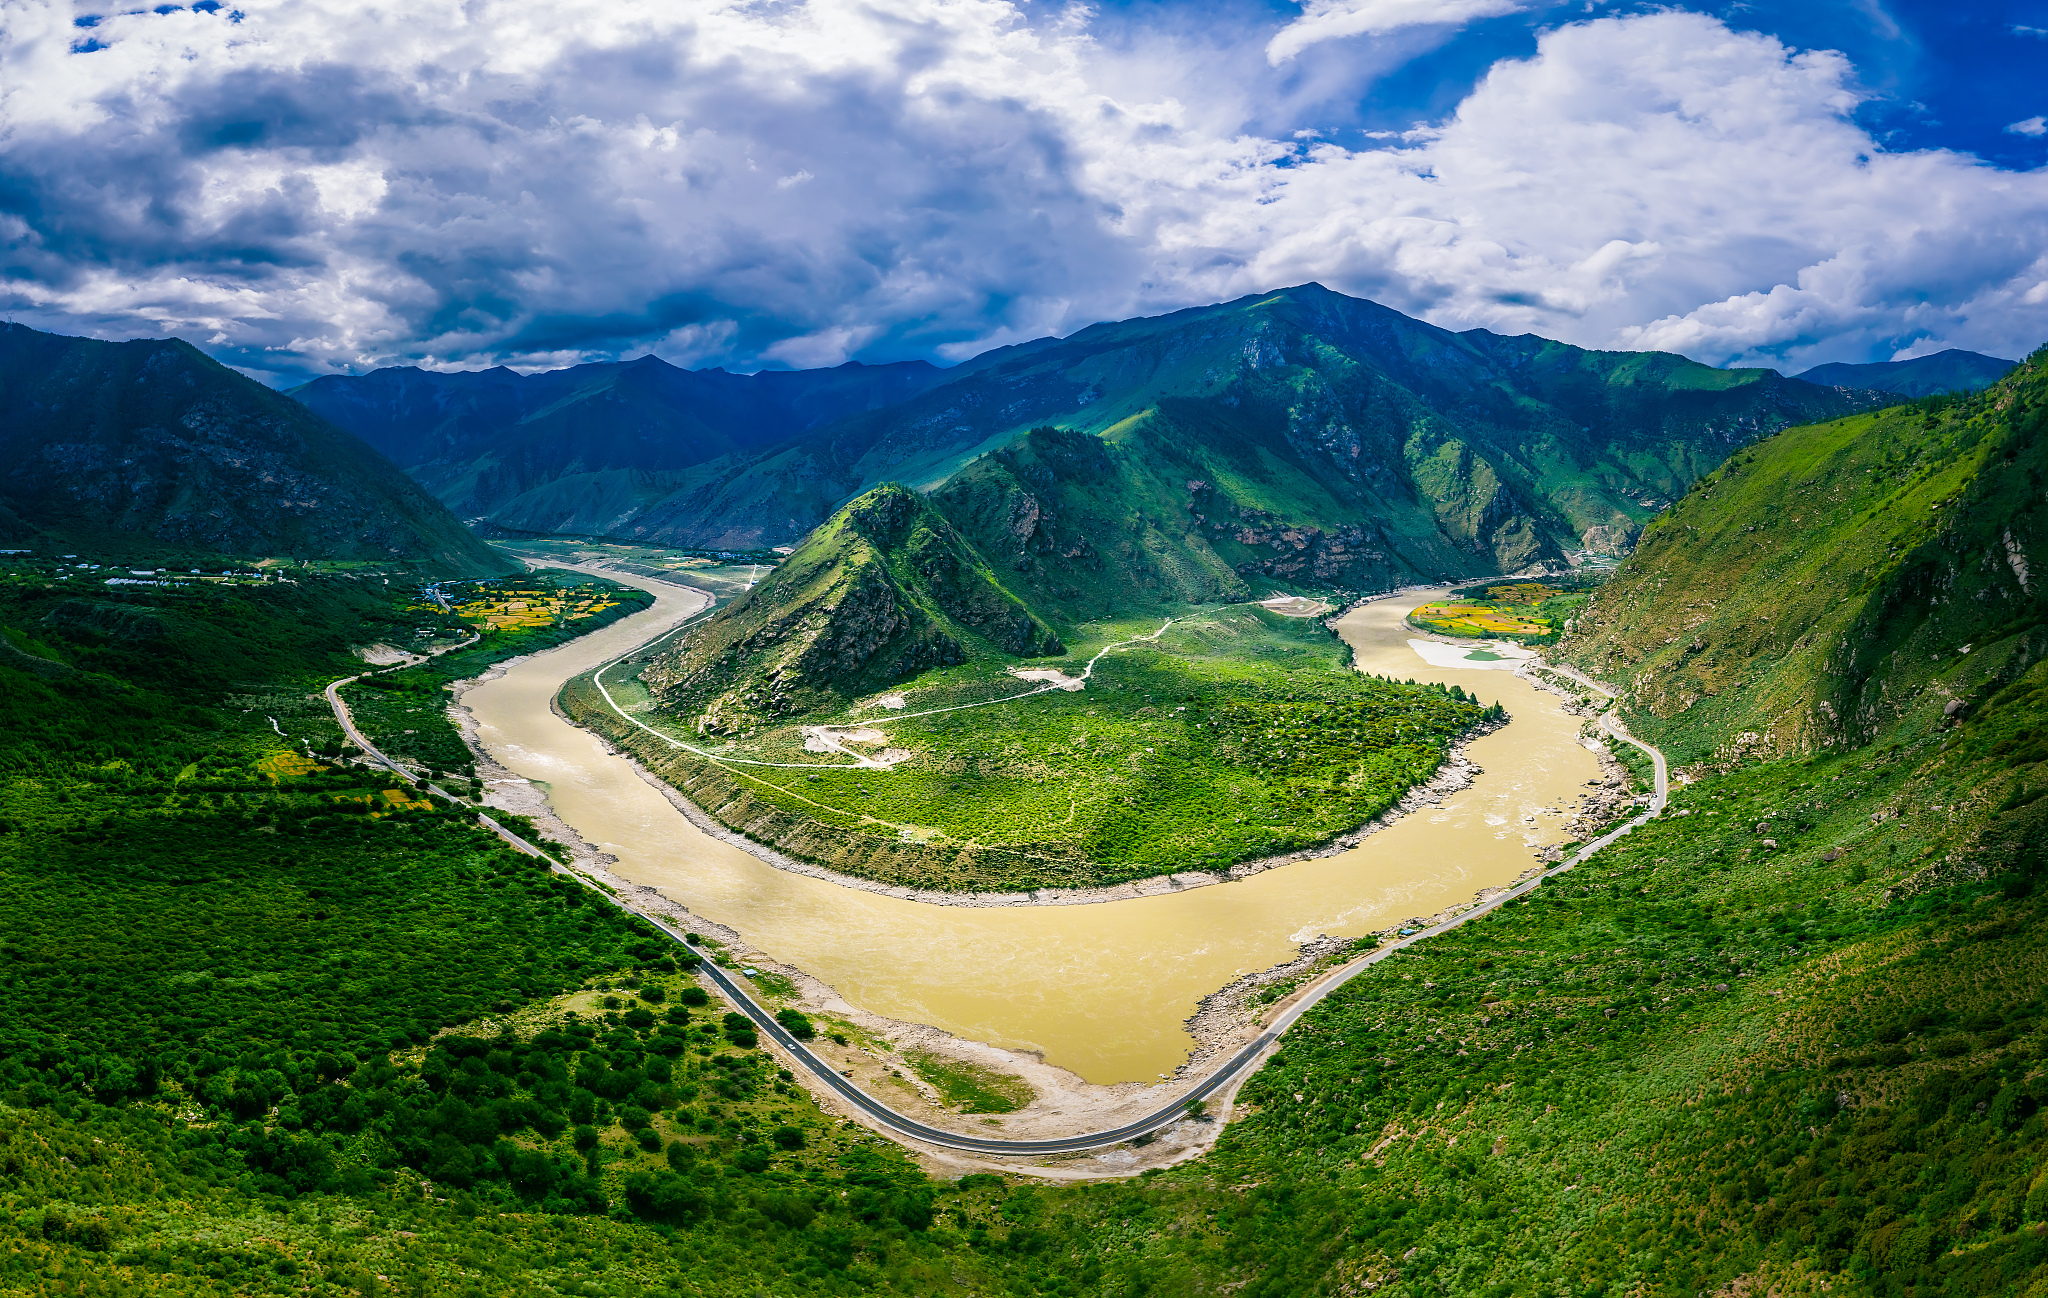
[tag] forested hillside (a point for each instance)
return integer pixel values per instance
(227, 974)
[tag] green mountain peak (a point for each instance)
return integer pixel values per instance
(152, 440)
(884, 589)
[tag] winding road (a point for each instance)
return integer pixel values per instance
(1225, 1075)
(347, 719)
(1612, 724)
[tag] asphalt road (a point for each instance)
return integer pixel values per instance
(347, 719)
(1613, 725)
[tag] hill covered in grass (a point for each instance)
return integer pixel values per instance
(884, 590)
(1840, 581)
(150, 447)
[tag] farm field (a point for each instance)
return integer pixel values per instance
(1532, 611)
(529, 602)
(405, 713)
(1237, 733)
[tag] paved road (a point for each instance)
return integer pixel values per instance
(1612, 724)
(348, 721)
(1225, 1075)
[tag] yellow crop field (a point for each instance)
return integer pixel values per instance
(286, 764)
(501, 609)
(1464, 617)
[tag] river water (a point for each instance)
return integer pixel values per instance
(1102, 990)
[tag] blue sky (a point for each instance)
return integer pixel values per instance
(317, 186)
(1941, 75)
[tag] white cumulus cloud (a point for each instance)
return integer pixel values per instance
(328, 183)
(1330, 20)
(2030, 126)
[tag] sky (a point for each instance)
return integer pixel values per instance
(305, 187)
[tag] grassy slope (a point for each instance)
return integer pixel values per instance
(884, 589)
(1818, 589)
(1079, 526)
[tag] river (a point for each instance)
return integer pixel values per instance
(1102, 990)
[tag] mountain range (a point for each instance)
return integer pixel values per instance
(152, 443)
(1949, 371)
(1296, 436)
(589, 448)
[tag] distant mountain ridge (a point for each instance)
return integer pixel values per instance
(1949, 371)
(1298, 436)
(152, 439)
(583, 449)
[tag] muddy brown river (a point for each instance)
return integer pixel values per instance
(1102, 990)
